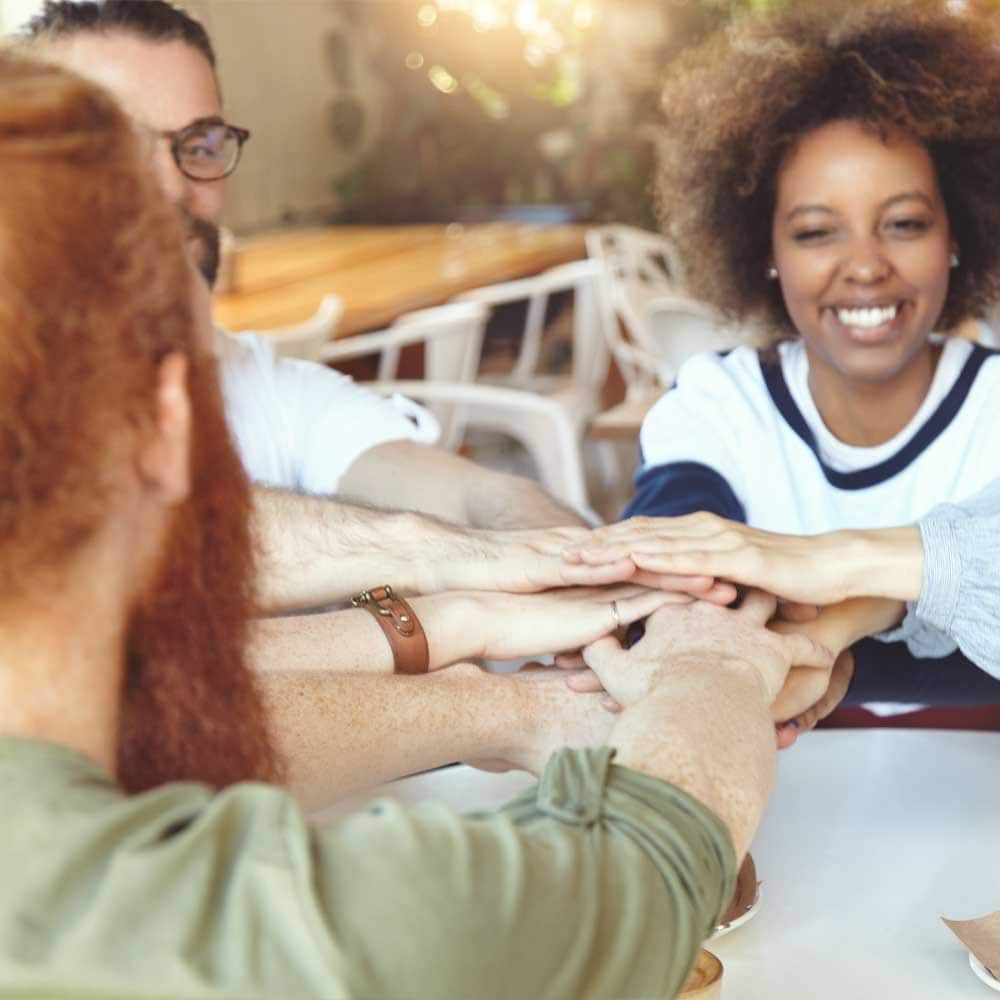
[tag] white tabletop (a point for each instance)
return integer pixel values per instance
(871, 836)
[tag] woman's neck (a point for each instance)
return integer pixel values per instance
(869, 413)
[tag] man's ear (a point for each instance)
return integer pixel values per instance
(164, 459)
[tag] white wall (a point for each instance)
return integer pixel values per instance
(276, 82)
(13, 13)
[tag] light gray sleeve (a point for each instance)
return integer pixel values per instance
(960, 594)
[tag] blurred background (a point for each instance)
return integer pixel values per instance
(392, 111)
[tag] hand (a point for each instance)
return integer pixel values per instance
(523, 562)
(550, 717)
(840, 681)
(805, 685)
(703, 634)
(806, 569)
(505, 626)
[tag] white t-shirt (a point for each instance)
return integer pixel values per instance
(300, 425)
(744, 439)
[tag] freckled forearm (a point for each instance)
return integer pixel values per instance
(340, 734)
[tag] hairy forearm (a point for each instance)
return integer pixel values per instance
(706, 729)
(340, 734)
(316, 550)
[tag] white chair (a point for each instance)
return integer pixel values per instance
(306, 339)
(662, 325)
(645, 260)
(578, 393)
(580, 390)
(452, 336)
(537, 423)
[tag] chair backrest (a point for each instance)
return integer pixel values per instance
(306, 339)
(679, 328)
(644, 265)
(452, 336)
(536, 422)
(591, 313)
(663, 326)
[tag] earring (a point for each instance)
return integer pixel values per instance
(954, 260)
(771, 273)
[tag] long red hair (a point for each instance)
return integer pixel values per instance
(95, 294)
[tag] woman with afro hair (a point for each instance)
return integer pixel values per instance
(832, 172)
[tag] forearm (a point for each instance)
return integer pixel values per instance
(841, 625)
(351, 641)
(316, 550)
(409, 476)
(706, 729)
(503, 502)
(883, 562)
(340, 734)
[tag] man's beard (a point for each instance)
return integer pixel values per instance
(190, 707)
(204, 236)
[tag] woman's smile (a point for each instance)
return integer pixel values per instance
(862, 247)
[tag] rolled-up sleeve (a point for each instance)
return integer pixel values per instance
(601, 882)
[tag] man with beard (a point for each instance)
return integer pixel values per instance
(126, 569)
(288, 417)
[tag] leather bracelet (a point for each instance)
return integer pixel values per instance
(401, 627)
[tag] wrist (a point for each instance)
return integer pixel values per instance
(400, 626)
(500, 719)
(888, 562)
(409, 548)
(711, 670)
(451, 623)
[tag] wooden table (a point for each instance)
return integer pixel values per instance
(623, 421)
(380, 272)
(870, 837)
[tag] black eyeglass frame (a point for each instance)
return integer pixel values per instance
(177, 136)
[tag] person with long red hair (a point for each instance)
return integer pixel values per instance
(126, 582)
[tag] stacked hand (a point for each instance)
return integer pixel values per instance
(806, 572)
(523, 562)
(703, 634)
(507, 626)
(806, 569)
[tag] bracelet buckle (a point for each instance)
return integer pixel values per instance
(381, 600)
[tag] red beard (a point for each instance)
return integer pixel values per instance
(190, 708)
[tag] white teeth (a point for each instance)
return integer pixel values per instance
(867, 318)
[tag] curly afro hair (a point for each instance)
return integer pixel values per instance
(737, 104)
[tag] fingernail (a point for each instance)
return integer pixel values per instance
(794, 723)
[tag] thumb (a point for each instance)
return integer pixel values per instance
(603, 654)
(802, 651)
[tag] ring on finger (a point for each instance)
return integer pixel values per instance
(618, 617)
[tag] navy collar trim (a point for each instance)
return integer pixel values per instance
(934, 426)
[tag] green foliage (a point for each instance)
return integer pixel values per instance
(508, 124)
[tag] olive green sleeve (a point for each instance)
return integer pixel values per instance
(601, 882)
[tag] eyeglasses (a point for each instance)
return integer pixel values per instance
(206, 150)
